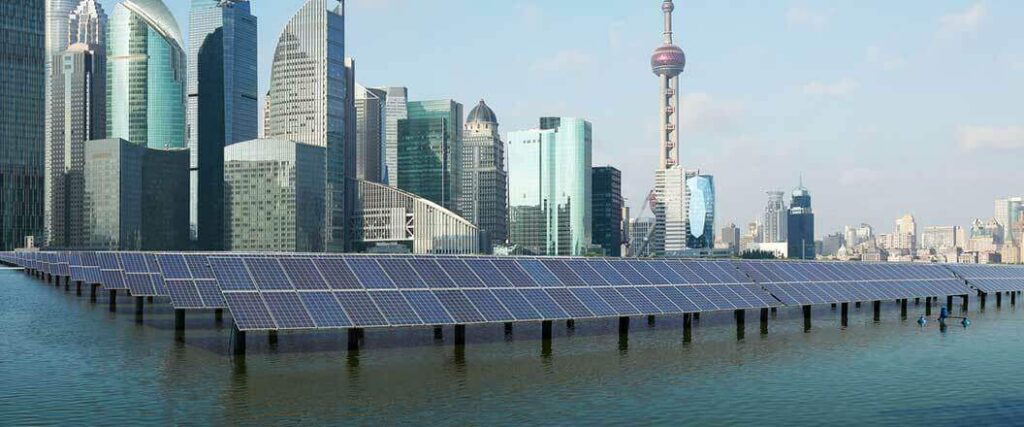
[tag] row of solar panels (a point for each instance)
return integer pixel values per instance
(991, 279)
(804, 272)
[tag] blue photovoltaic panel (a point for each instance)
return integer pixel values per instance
(401, 273)
(617, 301)
(337, 273)
(720, 301)
(488, 305)
(152, 266)
(199, 266)
(231, 274)
(89, 259)
(512, 271)
(517, 305)
(432, 274)
(173, 266)
(608, 273)
(369, 273)
(628, 272)
(183, 293)
(648, 272)
(113, 279)
(593, 302)
(584, 271)
(461, 274)
(461, 309)
(395, 308)
(93, 275)
(560, 269)
(428, 307)
(158, 284)
(539, 273)
(638, 300)
(107, 260)
(546, 306)
(688, 298)
(569, 303)
(324, 309)
(488, 273)
(287, 310)
(659, 299)
(303, 274)
(210, 293)
(668, 270)
(268, 274)
(133, 262)
(139, 284)
(248, 311)
(360, 308)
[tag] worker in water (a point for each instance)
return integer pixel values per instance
(943, 314)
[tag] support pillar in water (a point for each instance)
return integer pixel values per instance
(624, 325)
(237, 341)
(845, 314)
(78, 288)
(999, 299)
(1013, 298)
(508, 328)
(179, 320)
(966, 302)
(438, 333)
(545, 330)
(687, 327)
(113, 301)
(741, 323)
(218, 315)
(928, 307)
(807, 318)
(764, 321)
(981, 300)
(903, 309)
(877, 307)
(949, 302)
(650, 320)
(272, 338)
(353, 338)
(460, 335)
(139, 307)
(570, 324)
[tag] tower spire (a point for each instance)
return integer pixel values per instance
(668, 7)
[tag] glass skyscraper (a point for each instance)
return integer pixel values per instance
(370, 117)
(800, 225)
(222, 105)
(22, 112)
(484, 199)
(607, 209)
(430, 151)
(550, 187)
(701, 212)
(395, 109)
(309, 100)
(145, 75)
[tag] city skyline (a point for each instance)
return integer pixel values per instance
(826, 104)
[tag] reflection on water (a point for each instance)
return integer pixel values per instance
(55, 344)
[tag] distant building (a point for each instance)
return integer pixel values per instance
(640, 230)
(484, 199)
(274, 196)
(22, 122)
(855, 236)
(430, 151)
(940, 238)
(370, 118)
(730, 237)
(388, 219)
(986, 236)
(550, 187)
(395, 109)
(222, 105)
(136, 197)
(76, 113)
(310, 101)
(800, 225)
(700, 206)
(831, 243)
(904, 236)
(773, 227)
(1009, 211)
(606, 196)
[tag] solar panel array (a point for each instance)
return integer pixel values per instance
(991, 279)
(356, 291)
(808, 283)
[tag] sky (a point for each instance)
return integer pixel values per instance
(884, 108)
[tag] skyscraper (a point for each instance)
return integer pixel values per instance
(370, 116)
(800, 225)
(773, 228)
(606, 183)
(1009, 211)
(395, 109)
(550, 187)
(905, 236)
(308, 99)
(668, 62)
(700, 212)
(484, 200)
(731, 238)
(430, 151)
(76, 112)
(222, 105)
(145, 75)
(22, 122)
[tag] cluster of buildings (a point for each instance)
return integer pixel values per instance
(782, 231)
(118, 136)
(986, 241)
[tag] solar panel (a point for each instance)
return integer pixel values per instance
(231, 274)
(198, 266)
(303, 274)
(184, 294)
(517, 304)
(133, 262)
(488, 305)
(638, 300)
(209, 292)
(249, 311)
(436, 277)
(268, 274)
(428, 307)
(337, 274)
(568, 302)
(140, 284)
(173, 266)
(461, 309)
(460, 273)
(540, 274)
(395, 308)
(287, 310)
(617, 302)
(113, 280)
(488, 273)
(544, 304)
(593, 302)
(560, 270)
(370, 273)
(324, 309)
(360, 308)
(401, 273)
(512, 271)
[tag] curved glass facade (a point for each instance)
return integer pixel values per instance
(701, 189)
(146, 75)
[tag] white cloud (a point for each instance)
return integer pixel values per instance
(530, 15)
(878, 57)
(798, 17)
(963, 22)
(841, 88)
(704, 112)
(563, 61)
(989, 137)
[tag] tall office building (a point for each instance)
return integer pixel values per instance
(395, 109)
(308, 99)
(145, 75)
(640, 232)
(905, 236)
(1009, 211)
(430, 151)
(800, 225)
(549, 179)
(773, 227)
(274, 196)
(222, 106)
(76, 113)
(370, 117)
(22, 120)
(700, 206)
(606, 196)
(136, 197)
(484, 199)
(730, 238)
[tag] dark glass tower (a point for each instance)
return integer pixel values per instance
(606, 188)
(800, 225)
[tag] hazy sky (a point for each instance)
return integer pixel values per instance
(885, 107)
